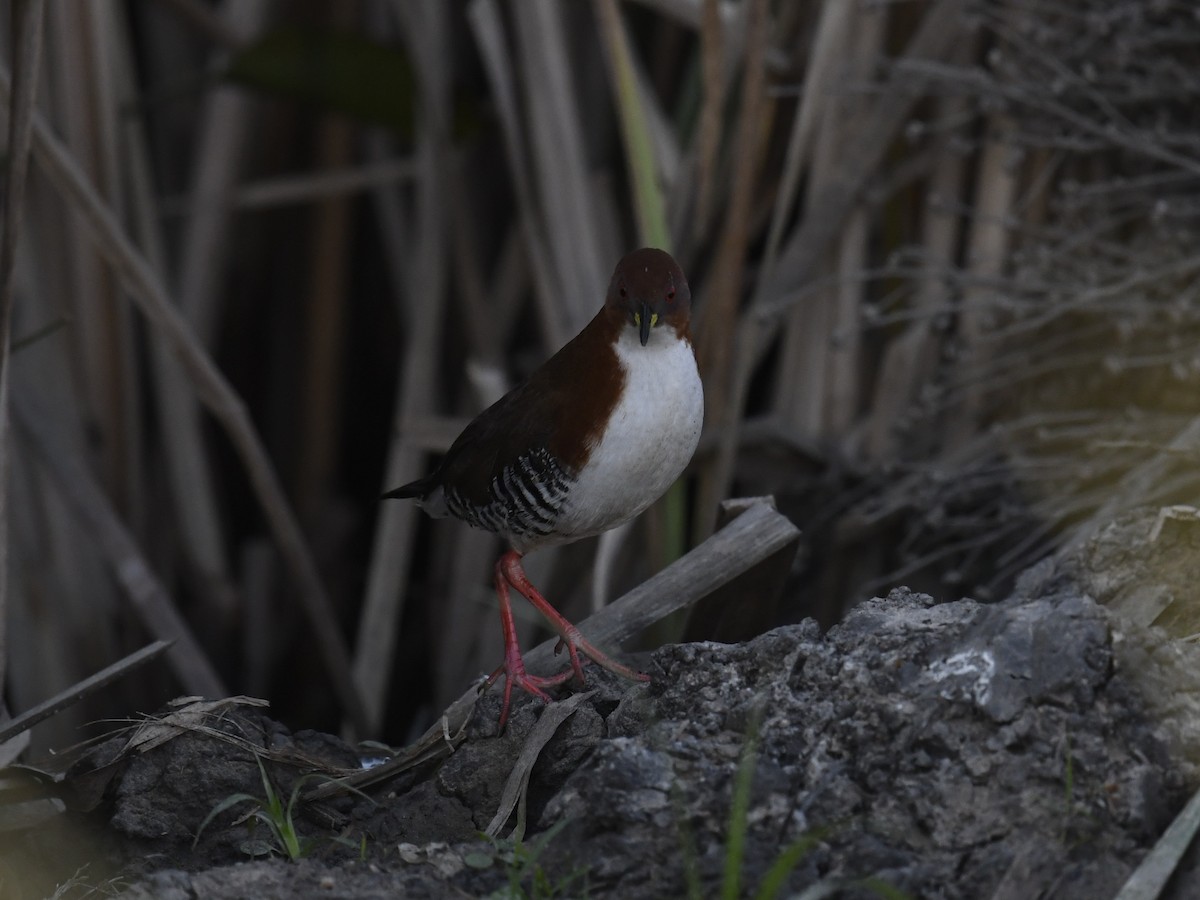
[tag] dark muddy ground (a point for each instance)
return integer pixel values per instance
(957, 750)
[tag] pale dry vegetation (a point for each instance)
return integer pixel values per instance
(273, 256)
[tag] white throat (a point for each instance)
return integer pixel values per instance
(650, 438)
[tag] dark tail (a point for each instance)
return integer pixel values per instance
(418, 488)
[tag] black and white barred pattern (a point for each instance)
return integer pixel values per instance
(523, 501)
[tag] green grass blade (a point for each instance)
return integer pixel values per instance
(687, 842)
(230, 801)
(649, 204)
(777, 875)
(735, 841)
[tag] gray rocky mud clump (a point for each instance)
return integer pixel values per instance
(953, 750)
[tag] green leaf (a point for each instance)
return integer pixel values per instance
(478, 860)
(333, 70)
(231, 800)
(255, 848)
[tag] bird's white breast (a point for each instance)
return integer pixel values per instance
(650, 438)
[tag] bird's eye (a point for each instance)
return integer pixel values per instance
(623, 292)
(670, 295)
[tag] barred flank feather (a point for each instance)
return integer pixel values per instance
(525, 498)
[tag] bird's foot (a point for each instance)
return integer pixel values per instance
(512, 670)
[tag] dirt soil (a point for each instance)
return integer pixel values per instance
(958, 750)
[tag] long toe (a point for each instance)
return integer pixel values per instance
(515, 675)
(546, 681)
(592, 652)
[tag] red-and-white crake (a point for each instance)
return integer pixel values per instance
(592, 438)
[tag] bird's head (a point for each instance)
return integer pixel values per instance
(649, 291)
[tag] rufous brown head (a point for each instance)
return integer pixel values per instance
(649, 290)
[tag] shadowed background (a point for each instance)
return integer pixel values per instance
(273, 256)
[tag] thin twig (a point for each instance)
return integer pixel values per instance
(77, 692)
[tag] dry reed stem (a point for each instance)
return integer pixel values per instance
(807, 371)
(486, 321)
(188, 466)
(715, 329)
(708, 139)
(147, 289)
(988, 247)
(819, 92)
(28, 18)
(863, 153)
(844, 362)
(331, 235)
(145, 593)
(465, 621)
(488, 30)
(845, 366)
(395, 527)
(820, 371)
(910, 357)
(421, 288)
(128, 425)
(559, 159)
(225, 127)
(82, 97)
(59, 577)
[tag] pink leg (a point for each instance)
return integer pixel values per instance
(510, 572)
(510, 567)
(513, 667)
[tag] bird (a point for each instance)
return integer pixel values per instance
(587, 442)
